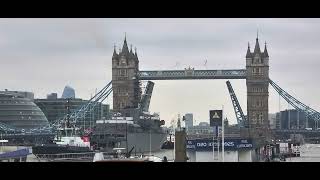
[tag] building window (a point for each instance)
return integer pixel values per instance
(261, 117)
(123, 72)
(256, 60)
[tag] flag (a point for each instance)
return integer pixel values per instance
(85, 139)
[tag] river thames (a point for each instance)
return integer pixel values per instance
(308, 153)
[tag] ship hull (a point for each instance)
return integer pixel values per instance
(58, 149)
(141, 142)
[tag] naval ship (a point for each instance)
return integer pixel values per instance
(140, 135)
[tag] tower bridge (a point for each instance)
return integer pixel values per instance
(126, 76)
(129, 98)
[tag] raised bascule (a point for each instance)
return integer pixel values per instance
(130, 100)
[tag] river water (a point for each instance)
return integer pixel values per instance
(308, 153)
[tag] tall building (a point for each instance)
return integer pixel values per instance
(292, 119)
(125, 85)
(68, 92)
(257, 65)
(55, 109)
(18, 110)
(188, 120)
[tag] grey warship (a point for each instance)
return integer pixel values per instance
(140, 135)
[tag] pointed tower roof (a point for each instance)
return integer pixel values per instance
(131, 52)
(257, 46)
(265, 50)
(125, 49)
(248, 51)
(115, 55)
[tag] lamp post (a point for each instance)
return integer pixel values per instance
(126, 135)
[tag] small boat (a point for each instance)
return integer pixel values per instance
(67, 141)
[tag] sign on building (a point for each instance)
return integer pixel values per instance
(229, 144)
(215, 117)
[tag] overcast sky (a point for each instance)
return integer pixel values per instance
(44, 55)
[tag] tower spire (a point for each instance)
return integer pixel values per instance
(125, 49)
(114, 51)
(265, 50)
(257, 46)
(248, 51)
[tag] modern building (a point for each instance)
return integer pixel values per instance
(188, 119)
(293, 119)
(55, 109)
(18, 110)
(68, 92)
(52, 96)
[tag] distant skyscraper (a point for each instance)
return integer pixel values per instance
(68, 92)
(189, 120)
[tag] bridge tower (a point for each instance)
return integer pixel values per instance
(257, 80)
(125, 84)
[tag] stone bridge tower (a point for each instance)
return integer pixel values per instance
(257, 65)
(125, 84)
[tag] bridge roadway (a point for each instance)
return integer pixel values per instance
(192, 74)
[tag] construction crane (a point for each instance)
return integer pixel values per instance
(241, 119)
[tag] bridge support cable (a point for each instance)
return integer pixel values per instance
(298, 105)
(89, 106)
(241, 119)
(6, 128)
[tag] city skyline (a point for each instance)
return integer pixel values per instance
(44, 55)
